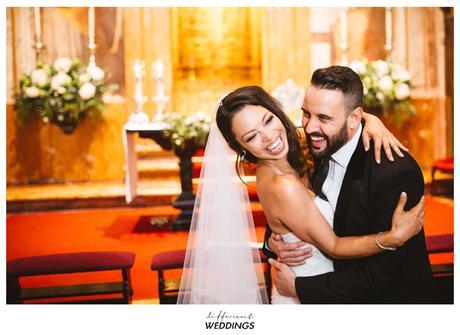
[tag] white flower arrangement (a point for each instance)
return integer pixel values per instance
(87, 91)
(386, 85)
(187, 131)
(290, 95)
(62, 93)
(39, 77)
(63, 64)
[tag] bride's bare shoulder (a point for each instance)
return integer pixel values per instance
(286, 186)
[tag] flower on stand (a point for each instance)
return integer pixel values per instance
(95, 73)
(87, 91)
(39, 77)
(32, 92)
(187, 131)
(290, 95)
(63, 93)
(63, 64)
(386, 86)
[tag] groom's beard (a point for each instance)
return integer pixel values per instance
(333, 143)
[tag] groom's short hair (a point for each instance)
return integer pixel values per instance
(344, 79)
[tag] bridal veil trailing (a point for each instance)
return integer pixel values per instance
(222, 262)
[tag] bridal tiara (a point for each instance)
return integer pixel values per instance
(219, 104)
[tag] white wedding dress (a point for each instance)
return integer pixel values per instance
(317, 264)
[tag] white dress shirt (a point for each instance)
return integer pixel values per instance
(337, 167)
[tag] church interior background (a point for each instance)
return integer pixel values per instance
(69, 192)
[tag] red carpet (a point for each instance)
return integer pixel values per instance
(122, 230)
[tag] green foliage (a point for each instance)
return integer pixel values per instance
(386, 85)
(191, 131)
(62, 93)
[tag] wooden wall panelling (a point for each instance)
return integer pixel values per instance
(366, 33)
(147, 37)
(39, 152)
(23, 40)
(148, 56)
(214, 50)
(58, 25)
(400, 37)
(134, 49)
(280, 43)
(418, 43)
(26, 156)
(417, 49)
(449, 76)
(160, 40)
(322, 52)
(255, 22)
(10, 59)
(285, 46)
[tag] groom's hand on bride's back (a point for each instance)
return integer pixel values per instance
(289, 253)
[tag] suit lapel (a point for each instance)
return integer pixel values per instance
(353, 174)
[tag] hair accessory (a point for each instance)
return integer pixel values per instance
(219, 104)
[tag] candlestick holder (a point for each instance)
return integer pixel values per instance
(38, 46)
(92, 52)
(138, 116)
(160, 102)
(388, 50)
(160, 99)
(388, 32)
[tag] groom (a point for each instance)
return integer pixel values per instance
(363, 194)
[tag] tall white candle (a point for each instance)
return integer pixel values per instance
(159, 69)
(91, 24)
(38, 24)
(160, 88)
(388, 28)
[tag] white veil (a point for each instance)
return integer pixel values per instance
(222, 263)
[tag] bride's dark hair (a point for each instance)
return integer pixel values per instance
(256, 96)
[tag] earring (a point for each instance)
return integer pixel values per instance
(243, 155)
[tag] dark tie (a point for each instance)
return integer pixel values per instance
(320, 177)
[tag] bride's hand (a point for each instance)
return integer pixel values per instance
(374, 129)
(405, 224)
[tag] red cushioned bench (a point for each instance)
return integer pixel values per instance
(70, 263)
(443, 273)
(174, 259)
(443, 165)
(437, 244)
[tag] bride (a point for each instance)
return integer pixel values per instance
(221, 264)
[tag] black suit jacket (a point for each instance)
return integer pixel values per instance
(365, 205)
